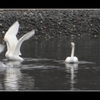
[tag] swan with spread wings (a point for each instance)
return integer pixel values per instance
(13, 44)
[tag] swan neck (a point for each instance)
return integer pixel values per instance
(72, 52)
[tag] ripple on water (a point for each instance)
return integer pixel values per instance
(45, 63)
(33, 63)
(86, 62)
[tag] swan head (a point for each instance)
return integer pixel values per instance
(72, 44)
(5, 39)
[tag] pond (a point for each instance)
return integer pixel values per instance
(44, 68)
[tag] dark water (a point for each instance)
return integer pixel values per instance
(44, 67)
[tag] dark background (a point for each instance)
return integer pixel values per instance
(52, 21)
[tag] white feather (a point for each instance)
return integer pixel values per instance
(72, 58)
(21, 40)
(13, 44)
(11, 36)
(13, 30)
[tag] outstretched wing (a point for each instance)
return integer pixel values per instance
(21, 40)
(13, 30)
(10, 36)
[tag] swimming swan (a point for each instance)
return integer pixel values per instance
(72, 58)
(13, 44)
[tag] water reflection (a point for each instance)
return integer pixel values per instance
(12, 75)
(2, 66)
(43, 67)
(13, 78)
(13, 63)
(72, 69)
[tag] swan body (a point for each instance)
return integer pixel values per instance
(13, 44)
(72, 58)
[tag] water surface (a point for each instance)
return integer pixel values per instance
(44, 68)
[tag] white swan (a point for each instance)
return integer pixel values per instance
(13, 44)
(72, 58)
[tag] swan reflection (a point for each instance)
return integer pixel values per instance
(13, 63)
(72, 69)
(12, 75)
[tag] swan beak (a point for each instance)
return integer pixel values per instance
(71, 43)
(4, 39)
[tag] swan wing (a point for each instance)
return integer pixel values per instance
(21, 40)
(10, 36)
(13, 30)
